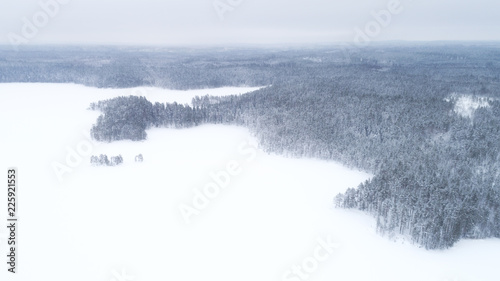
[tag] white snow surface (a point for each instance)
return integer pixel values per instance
(183, 97)
(466, 105)
(123, 223)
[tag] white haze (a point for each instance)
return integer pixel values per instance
(199, 22)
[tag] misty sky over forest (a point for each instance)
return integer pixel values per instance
(195, 22)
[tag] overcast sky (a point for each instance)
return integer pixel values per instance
(188, 22)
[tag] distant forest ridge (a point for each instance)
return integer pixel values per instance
(185, 68)
(425, 120)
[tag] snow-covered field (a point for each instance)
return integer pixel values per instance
(466, 105)
(206, 204)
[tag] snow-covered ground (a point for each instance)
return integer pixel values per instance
(182, 97)
(206, 204)
(466, 105)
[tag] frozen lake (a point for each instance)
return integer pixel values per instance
(206, 204)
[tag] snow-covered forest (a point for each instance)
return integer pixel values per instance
(387, 110)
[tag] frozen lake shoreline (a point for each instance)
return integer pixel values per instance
(265, 221)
